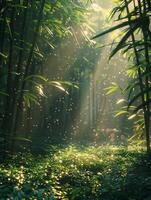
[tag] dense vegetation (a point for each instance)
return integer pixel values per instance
(30, 32)
(134, 17)
(51, 52)
(107, 173)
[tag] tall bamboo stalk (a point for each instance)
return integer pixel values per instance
(2, 30)
(5, 124)
(19, 72)
(147, 60)
(29, 61)
(2, 40)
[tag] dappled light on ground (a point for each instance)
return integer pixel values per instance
(78, 173)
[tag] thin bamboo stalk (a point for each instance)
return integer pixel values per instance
(19, 71)
(5, 124)
(29, 60)
(2, 31)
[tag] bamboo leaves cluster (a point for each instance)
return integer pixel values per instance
(29, 31)
(133, 18)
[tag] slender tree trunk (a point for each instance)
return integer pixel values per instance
(2, 39)
(7, 117)
(19, 76)
(29, 61)
(2, 31)
(145, 37)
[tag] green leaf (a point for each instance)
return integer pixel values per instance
(40, 90)
(113, 88)
(36, 76)
(122, 42)
(139, 95)
(141, 106)
(9, 28)
(132, 116)
(3, 55)
(68, 83)
(132, 72)
(30, 97)
(3, 93)
(123, 24)
(58, 85)
(121, 112)
(120, 101)
(21, 139)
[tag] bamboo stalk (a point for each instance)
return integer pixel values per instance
(145, 30)
(5, 123)
(145, 37)
(19, 71)
(2, 31)
(29, 60)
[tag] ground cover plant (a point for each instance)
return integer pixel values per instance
(78, 173)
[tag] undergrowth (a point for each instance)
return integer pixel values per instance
(72, 173)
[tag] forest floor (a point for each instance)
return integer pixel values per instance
(78, 173)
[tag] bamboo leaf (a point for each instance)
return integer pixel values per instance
(30, 97)
(3, 55)
(132, 116)
(60, 87)
(22, 139)
(122, 112)
(3, 93)
(139, 95)
(122, 42)
(113, 88)
(141, 106)
(40, 90)
(9, 28)
(120, 101)
(123, 24)
(37, 77)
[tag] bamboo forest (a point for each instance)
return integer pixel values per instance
(75, 99)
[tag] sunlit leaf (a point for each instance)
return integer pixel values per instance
(132, 116)
(122, 112)
(113, 88)
(37, 77)
(123, 24)
(3, 55)
(40, 90)
(120, 101)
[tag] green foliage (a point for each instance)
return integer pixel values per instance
(134, 19)
(31, 31)
(114, 87)
(106, 173)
